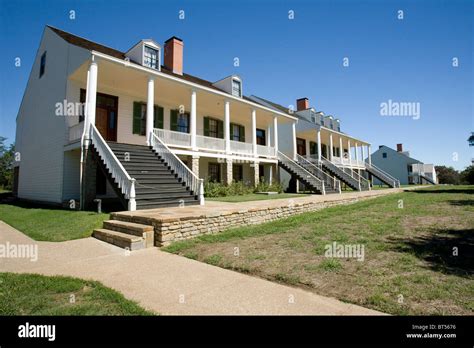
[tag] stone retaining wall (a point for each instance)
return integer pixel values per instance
(171, 230)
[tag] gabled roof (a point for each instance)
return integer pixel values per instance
(398, 153)
(93, 46)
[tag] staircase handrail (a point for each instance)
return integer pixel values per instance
(194, 183)
(124, 181)
(285, 159)
(396, 182)
(336, 184)
(335, 168)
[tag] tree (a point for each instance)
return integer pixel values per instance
(467, 175)
(6, 164)
(447, 175)
(471, 139)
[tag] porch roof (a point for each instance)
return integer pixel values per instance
(107, 52)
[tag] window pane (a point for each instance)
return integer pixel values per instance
(150, 57)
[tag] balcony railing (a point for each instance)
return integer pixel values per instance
(173, 138)
(178, 139)
(265, 151)
(210, 143)
(241, 147)
(75, 132)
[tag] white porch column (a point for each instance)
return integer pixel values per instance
(254, 132)
(341, 152)
(91, 96)
(363, 153)
(349, 152)
(275, 134)
(330, 147)
(370, 155)
(150, 109)
(192, 120)
(319, 145)
(293, 132)
(227, 126)
(356, 153)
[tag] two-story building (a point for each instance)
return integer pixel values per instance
(96, 122)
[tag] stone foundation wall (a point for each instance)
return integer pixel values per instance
(190, 227)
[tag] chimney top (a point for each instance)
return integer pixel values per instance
(302, 104)
(399, 147)
(174, 37)
(173, 56)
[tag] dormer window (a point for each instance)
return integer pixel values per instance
(236, 88)
(150, 57)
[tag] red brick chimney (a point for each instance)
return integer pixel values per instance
(399, 147)
(302, 104)
(174, 55)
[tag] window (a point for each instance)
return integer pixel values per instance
(384, 155)
(179, 121)
(42, 64)
(237, 172)
(237, 132)
(150, 57)
(313, 119)
(213, 128)
(214, 172)
(261, 140)
(236, 88)
(139, 117)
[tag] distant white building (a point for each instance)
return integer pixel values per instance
(400, 165)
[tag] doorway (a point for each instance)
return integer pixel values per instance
(301, 146)
(105, 114)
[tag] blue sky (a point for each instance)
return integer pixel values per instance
(407, 60)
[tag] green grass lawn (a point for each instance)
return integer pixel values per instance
(32, 294)
(50, 224)
(255, 197)
(410, 242)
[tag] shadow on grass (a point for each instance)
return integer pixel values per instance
(108, 205)
(468, 191)
(462, 202)
(438, 247)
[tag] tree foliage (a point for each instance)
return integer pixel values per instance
(6, 164)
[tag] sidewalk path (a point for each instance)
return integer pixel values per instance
(167, 283)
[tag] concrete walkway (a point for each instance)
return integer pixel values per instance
(169, 284)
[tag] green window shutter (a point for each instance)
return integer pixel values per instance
(313, 148)
(174, 120)
(220, 129)
(231, 126)
(137, 110)
(242, 133)
(158, 115)
(206, 126)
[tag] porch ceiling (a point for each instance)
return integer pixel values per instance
(311, 135)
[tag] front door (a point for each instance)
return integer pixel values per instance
(106, 116)
(301, 146)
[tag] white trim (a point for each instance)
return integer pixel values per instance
(188, 83)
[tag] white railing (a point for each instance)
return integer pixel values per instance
(383, 175)
(364, 183)
(115, 168)
(302, 171)
(318, 172)
(173, 138)
(241, 147)
(210, 143)
(180, 169)
(75, 132)
(265, 151)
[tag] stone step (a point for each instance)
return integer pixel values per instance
(144, 231)
(120, 239)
